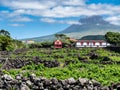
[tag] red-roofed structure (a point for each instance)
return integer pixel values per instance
(58, 44)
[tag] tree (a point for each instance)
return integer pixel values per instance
(60, 36)
(5, 42)
(65, 40)
(113, 38)
(4, 33)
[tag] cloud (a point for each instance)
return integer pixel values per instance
(114, 20)
(28, 4)
(16, 25)
(48, 20)
(21, 19)
(51, 20)
(57, 8)
(73, 2)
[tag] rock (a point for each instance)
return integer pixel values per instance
(66, 87)
(7, 77)
(63, 82)
(90, 85)
(118, 87)
(18, 77)
(76, 87)
(54, 81)
(95, 83)
(83, 81)
(29, 83)
(106, 58)
(32, 77)
(94, 56)
(1, 83)
(47, 82)
(105, 88)
(24, 87)
(60, 89)
(71, 81)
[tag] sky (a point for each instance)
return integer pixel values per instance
(34, 18)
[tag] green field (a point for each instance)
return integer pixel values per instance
(80, 64)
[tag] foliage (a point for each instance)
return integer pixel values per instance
(18, 44)
(60, 36)
(5, 42)
(65, 40)
(4, 33)
(41, 45)
(113, 38)
(35, 45)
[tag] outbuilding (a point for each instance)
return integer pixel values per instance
(58, 44)
(91, 43)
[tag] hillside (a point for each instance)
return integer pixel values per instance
(93, 37)
(94, 25)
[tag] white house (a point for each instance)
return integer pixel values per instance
(28, 41)
(91, 43)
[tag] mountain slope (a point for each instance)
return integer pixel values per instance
(93, 37)
(94, 25)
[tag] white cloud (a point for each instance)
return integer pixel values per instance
(73, 2)
(114, 19)
(57, 8)
(21, 19)
(16, 25)
(28, 4)
(48, 20)
(51, 20)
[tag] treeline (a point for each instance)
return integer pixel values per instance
(113, 38)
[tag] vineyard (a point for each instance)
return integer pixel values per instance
(100, 64)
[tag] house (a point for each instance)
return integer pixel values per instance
(57, 44)
(92, 43)
(28, 41)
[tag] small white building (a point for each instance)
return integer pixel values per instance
(28, 41)
(92, 43)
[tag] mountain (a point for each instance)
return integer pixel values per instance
(93, 25)
(41, 39)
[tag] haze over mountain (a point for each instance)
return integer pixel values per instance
(93, 25)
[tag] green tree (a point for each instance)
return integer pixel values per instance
(113, 38)
(60, 36)
(4, 33)
(5, 42)
(65, 40)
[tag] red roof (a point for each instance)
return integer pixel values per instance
(58, 42)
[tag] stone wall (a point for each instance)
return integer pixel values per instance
(40, 83)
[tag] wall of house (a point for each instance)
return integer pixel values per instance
(91, 44)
